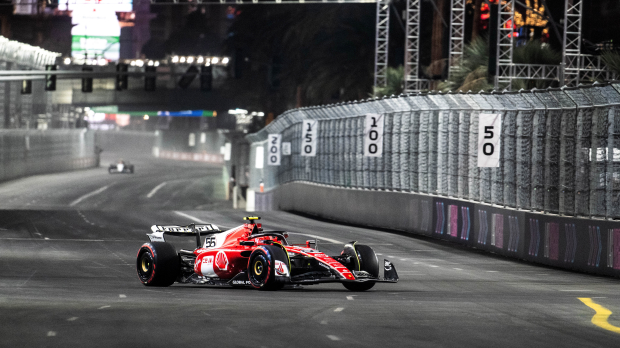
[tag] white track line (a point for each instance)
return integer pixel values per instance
(154, 190)
(193, 218)
(318, 237)
(88, 195)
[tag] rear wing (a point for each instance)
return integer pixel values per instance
(189, 231)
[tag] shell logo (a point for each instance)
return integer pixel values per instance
(221, 261)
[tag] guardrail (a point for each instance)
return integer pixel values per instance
(559, 149)
(32, 152)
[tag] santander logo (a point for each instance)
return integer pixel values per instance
(221, 261)
(197, 265)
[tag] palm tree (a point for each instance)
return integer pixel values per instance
(472, 74)
(612, 60)
(534, 52)
(394, 86)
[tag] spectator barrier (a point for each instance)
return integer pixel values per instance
(554, 197)
(31, 152)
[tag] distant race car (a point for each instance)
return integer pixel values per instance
(248, 256)
(120, 167)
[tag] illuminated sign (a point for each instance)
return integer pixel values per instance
(96, 32)
(83, 46)
(109, 5)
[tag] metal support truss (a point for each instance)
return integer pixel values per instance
(413, 83)
(536, 71)
(457, 33)
(381, 42)
(248, 2)
(505, 44)
(571, 59)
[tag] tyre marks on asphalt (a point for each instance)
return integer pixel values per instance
(85, 219)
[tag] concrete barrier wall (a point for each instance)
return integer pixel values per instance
(588, 245)
(31, 152)
(127, 141)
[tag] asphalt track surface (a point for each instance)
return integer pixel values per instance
(68, 244)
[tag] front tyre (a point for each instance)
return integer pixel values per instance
(157, 264)
(367, 261)
(262, 271)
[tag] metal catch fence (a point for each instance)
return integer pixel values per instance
(559, 148)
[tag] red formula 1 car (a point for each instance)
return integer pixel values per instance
(248, 256)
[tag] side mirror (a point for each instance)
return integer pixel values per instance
(312, 244)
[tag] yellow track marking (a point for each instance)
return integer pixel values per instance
(602, 314)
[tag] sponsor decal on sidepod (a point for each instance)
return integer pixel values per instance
(221, 261)
(206, 268)
(281, 269)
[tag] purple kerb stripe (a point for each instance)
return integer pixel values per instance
(498, 229)
(454, 220)
(554, 240)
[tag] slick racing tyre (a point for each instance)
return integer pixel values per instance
(366, 261)
(157, 264)
(262, 268)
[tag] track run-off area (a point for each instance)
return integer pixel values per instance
(68, 245)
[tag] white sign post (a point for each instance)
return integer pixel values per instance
(227, 151)
(489, 131)
(309, 135)
(373, 135)
(286, 148)
(260, 157)
(273, 145)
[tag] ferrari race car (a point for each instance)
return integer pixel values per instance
(120, 167)
(248, 256)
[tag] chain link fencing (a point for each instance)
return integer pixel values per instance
(559, 148)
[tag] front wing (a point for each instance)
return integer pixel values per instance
(241, 280)
(389, 276)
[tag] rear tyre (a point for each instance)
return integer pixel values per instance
(157, 264)
(367, 260)
(262, 268)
